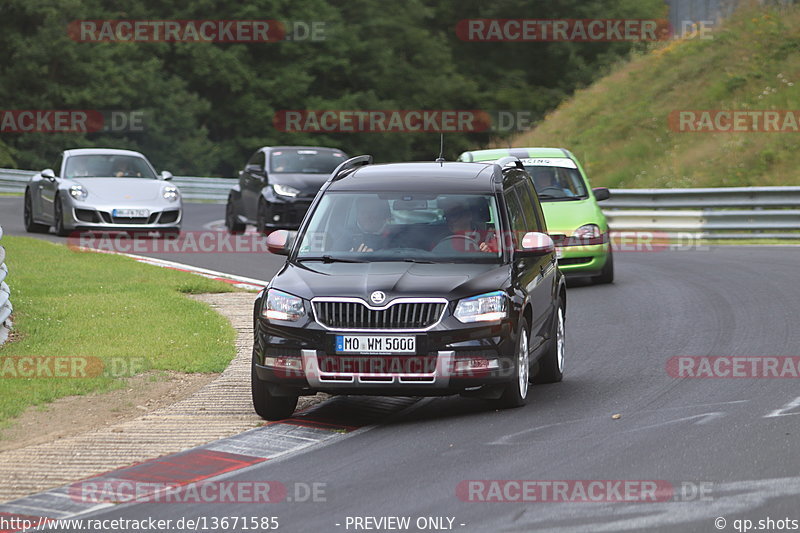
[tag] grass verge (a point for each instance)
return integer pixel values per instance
(116, 317)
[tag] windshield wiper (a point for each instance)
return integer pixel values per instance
(330, 259)
(420, 261)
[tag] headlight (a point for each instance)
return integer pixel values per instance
(78, 192)
(285, 190)
(589, 231)
(482, 308)
(170, 193)
(283, 306)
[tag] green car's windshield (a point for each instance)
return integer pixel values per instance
(107, 166)
(556, 181)
(402, 226)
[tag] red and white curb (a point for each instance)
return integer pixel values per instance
(237, 281)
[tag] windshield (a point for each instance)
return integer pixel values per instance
(105, 166)
(402, 226)
(304, 161)
(557, 183)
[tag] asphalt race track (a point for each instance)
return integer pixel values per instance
(737, 439)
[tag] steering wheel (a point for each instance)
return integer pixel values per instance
(551, 187)
(449, 243)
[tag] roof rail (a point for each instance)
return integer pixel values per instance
(510, 160)
(351, 163)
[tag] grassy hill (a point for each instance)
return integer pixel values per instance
(619, 126)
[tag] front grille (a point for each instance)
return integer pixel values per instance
(130, 220)
(574, 261)
(87, 215)
(377, 364)
(356, 315)
(168, 217)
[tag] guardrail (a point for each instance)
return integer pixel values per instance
(5, 296)
(724, 212)
(717, 213)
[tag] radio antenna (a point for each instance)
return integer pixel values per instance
(441, 158)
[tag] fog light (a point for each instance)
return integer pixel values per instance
(288, 363)
(276, 218)
(475, 364)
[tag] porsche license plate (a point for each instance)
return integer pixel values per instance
(130, 213)
(390, 344)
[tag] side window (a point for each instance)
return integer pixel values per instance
(256, 162)
(523, 190)
(515, 216)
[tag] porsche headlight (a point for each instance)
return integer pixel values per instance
(78, 192)
(285, 190)
(283, 306)
(482, 308)
(170, 193)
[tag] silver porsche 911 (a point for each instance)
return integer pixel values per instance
(98, 189)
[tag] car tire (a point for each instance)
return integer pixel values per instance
(30, 225)
(261, 217)
(231, 222)
(551, 364)
(516, 393)
(607, 274)
(58, 218)
(267, 405)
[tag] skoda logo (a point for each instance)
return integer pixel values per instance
(377, 297)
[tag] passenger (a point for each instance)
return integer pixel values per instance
(462, 218)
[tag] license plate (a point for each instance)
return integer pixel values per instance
(559, 253)
(130, 213)
(376, 344)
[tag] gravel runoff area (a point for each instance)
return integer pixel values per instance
(220, 409)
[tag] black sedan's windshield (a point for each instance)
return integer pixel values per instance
(401, 226)
(304, 161)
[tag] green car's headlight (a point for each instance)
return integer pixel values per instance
(283, 306)
(482, 308)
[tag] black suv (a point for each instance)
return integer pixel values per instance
(277, 185)
(412, 279)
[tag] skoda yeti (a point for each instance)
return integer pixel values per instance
(412, 279)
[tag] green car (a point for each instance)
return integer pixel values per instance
(574, 220)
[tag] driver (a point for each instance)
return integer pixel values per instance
(460, 217)
(545, 178)
(125, 169)
(372, 218)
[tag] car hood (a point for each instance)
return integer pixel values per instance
(564, 217)
(126, 190)
(307, 184)
(396, 279)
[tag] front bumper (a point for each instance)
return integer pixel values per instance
(581, 260)
(97, 219)
(285, 212)
(451, 358)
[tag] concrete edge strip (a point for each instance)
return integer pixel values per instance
(274, 440)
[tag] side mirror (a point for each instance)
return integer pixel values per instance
(280, 241)
(166, 175)
(535, 244)
(601, 193)
(49, 174)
